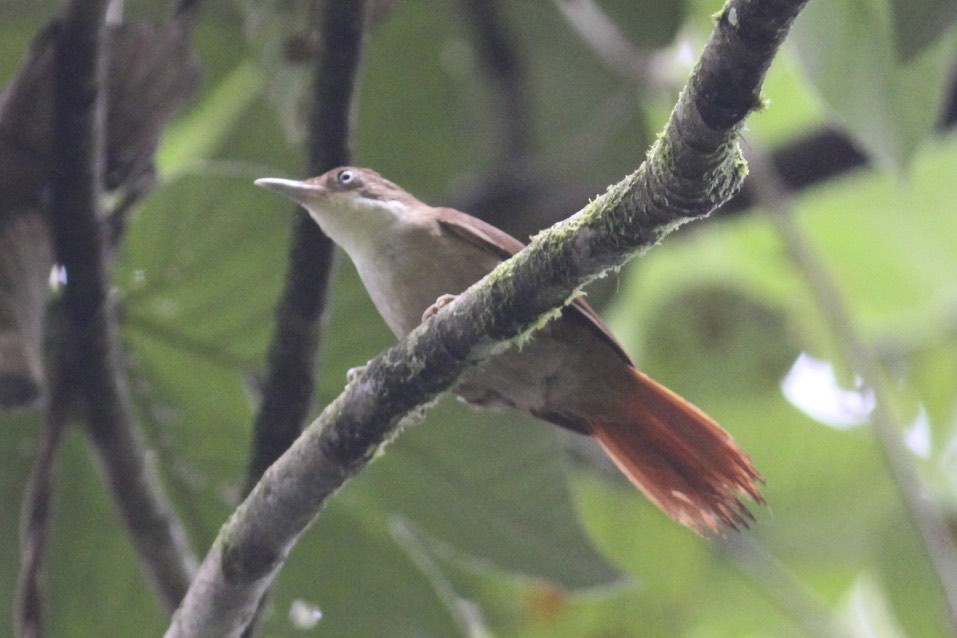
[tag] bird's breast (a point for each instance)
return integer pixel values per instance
(413, 268)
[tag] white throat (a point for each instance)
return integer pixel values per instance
(360, 226)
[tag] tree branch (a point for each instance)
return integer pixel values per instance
(78, 169)
(694, 167)
(291, 374)
(291, 378)
(151, 74)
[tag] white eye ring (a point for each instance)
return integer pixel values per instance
(346, 176)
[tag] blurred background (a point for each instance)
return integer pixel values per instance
(488, 524)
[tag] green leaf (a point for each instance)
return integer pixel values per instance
(205, 243)
(652, 24)
(888, 248)
(91, 552)
(889, 106)
(361, 581)
(492, 488)
(919, 24)
(195, 136)
(737, 342)
(912, 590)
(271, 28)
(829, 495)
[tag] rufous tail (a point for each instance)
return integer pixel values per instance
(680, 458)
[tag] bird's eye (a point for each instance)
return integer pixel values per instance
(346, 177)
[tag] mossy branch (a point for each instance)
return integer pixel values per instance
(694, 167)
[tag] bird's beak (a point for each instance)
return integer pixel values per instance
(297, 191)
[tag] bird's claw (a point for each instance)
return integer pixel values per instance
(440, 303)
(354, 373)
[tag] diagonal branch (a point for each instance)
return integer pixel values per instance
(694, 167)
(81, 248)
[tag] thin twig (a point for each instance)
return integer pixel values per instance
(513, 182)
(781, 586)
(695, 166)
(929, 520)
(604, 37)
(36, 522)
(79, 238)
(290, 377)
(502, 64)
(185, 11)
(36, 517)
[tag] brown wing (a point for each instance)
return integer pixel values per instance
(479, 233)
(497, 242)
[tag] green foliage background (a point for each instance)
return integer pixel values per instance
(483, 524)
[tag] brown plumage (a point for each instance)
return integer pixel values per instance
(571, 373)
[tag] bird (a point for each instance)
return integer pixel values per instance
(571, 373)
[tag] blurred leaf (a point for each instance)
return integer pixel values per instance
(685, 586)
(792, 109)
(203, 243)
(433, 122)
(888, 248)
(493, 489)
(847, 49)
(91, 553)
(272, 27)
(651, 24)
(731, 342)
(195, 136)
(361, 580)
(919, 24)
(913, 591)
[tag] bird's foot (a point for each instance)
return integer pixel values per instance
(440, 303)
(354, 373)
